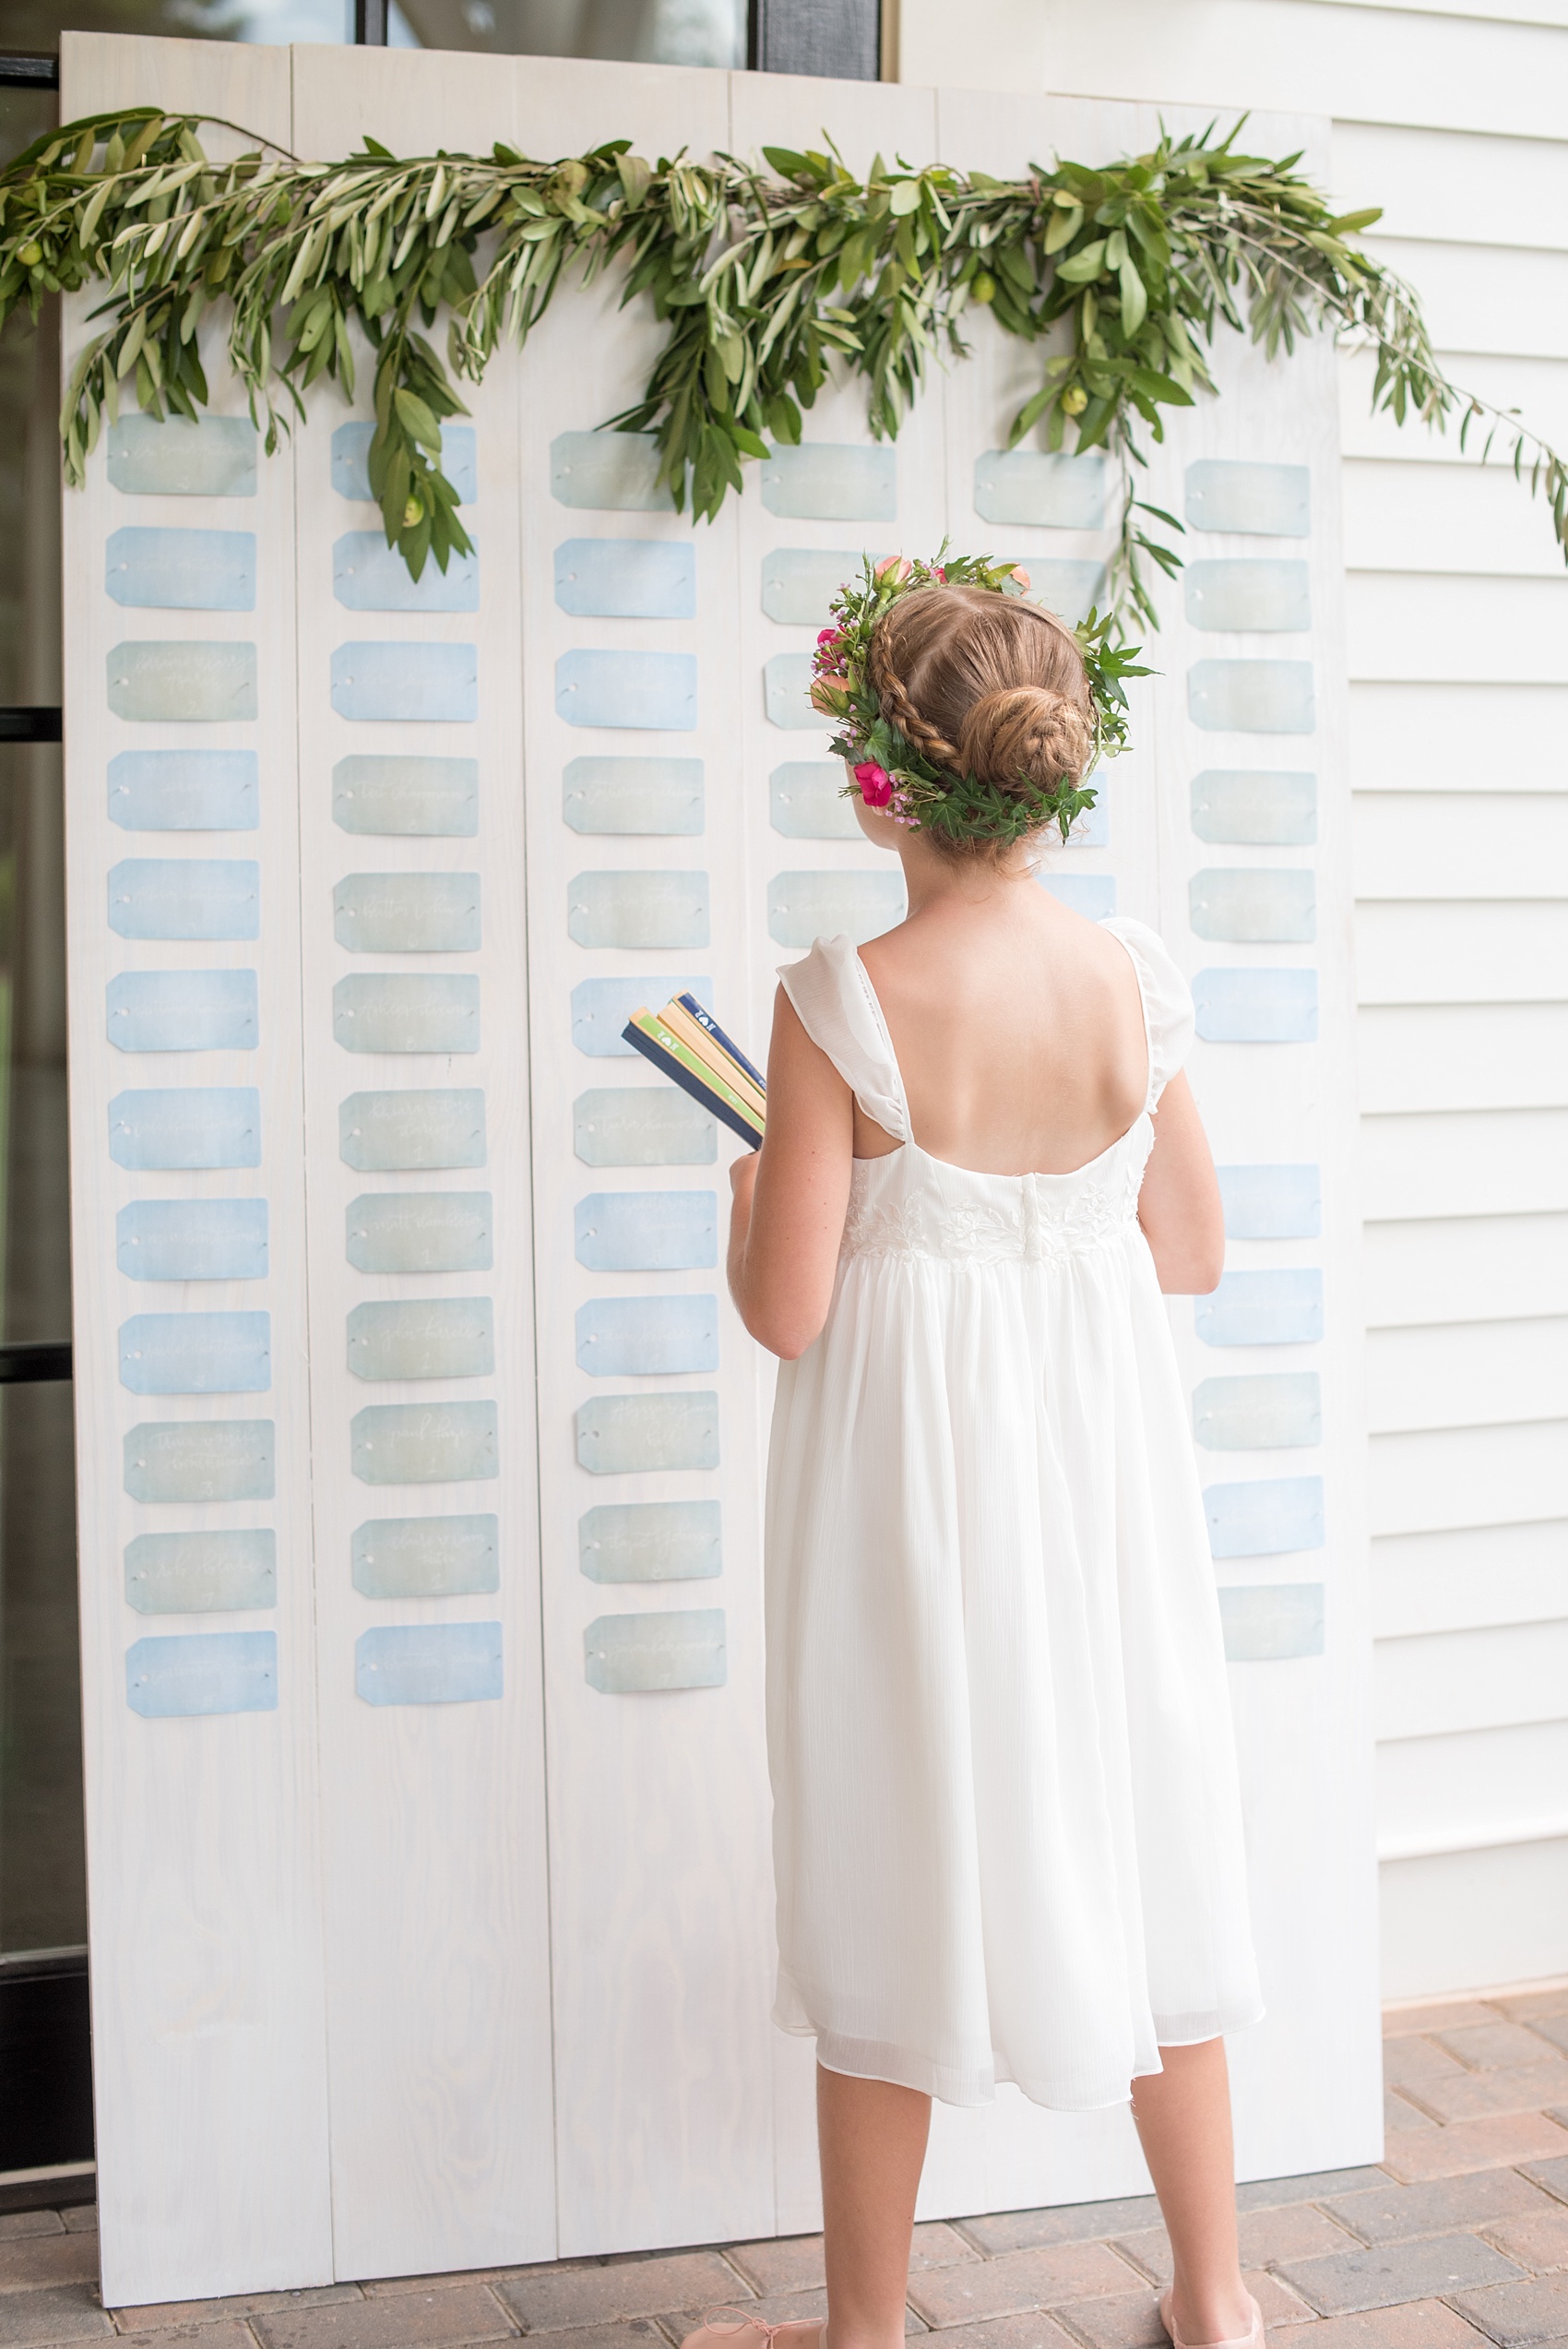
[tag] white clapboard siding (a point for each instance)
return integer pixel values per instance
(1475, 73)
(1421, 627)
(1464, 1056)
(1468, 1476)
(1458, 187)
(1522, 12)
(1471, 738)
(1537, 388)
(1443, 1681)
(1410, 844)
(1457, 1919)
(1448, 952)
(1469, 1577)
(1472, 1786)
(1499, 298)
(1426, 514)
(1476, 1374)
(1511, 1162)
(1469, 1268)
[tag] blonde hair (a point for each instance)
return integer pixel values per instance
(989, 685)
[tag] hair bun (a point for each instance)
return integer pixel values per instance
(1025, 734)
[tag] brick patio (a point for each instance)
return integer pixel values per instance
(1459, 2239)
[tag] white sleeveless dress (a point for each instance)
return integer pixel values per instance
(1007, 1832)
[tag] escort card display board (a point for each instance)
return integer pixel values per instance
(419, 1445)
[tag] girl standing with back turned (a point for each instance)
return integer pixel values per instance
(1007, 1836)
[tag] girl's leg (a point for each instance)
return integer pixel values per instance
(872, 2136)
(1183, 2117)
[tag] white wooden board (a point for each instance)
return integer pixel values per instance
(523, 2054)
(203, 1851)
(436, 1887)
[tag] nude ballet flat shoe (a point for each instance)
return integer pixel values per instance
(730, 2328)
(1253, 2340)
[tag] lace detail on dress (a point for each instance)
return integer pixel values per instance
(1042, 1222)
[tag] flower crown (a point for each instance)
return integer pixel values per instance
(889, 770)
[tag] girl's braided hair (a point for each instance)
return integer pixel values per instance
(987, 685)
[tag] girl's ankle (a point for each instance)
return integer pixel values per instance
(1222, 2315)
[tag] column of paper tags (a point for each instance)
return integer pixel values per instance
(408, 1021)
(1252, 906)
(188, 1018)
(630, 598)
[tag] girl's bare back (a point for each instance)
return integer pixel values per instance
(1017, 1026)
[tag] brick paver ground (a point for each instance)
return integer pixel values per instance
(1458, 2240)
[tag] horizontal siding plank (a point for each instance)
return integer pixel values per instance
(1463, 1056)
(1458, 1269)
(1297, 55)
(1472, 1785)
(1456, 187)
(1471, 1374)
(1498, 298)
(1474, 1577)
(1464, 519)
(1444, 1681)
(1470, 1162)
(1473, 1918)
(1537, 388)
(1475, 738)
(1423, 1483)
(1413, 626)
(1519, 12)
(1418, 844)
(1457, 953)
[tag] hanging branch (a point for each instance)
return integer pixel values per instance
(763, 285)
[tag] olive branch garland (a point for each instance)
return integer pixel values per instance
(763, 283)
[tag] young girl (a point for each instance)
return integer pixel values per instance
(1007, 1834)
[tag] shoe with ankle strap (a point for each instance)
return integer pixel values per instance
(733, 2329)
(1252, 2340)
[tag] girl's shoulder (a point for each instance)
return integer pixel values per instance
(1169, 1018)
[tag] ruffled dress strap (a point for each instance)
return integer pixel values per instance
(1168, 1017)
(837, 1008)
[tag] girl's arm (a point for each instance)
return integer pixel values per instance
(792, 1196)
(1179, 1205)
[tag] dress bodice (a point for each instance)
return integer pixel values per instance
(908, 1204)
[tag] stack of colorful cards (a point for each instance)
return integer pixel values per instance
(690, 1047)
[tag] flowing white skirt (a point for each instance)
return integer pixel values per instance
(1007, 1831)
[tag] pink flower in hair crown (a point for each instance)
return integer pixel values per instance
(875, 783)
(895, 569)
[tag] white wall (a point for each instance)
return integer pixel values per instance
(1453, 117)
